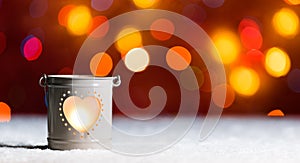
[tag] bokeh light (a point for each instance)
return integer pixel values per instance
(101, 5)
(38, 8)
(248, 22)
(145, 3)
(101, 64)
(251, 38)
(294, 80)
(178, 58)
(5, 112)
(191, 83)
(227, 44)
(292, 2)
(253, 58)
(245, 36)
(128, 39)
(194, 12)
(64, 14)
(137, 59)
(2, 42)
(286, 22)
(277, 62)
(213, 3)
(79, 20)
(218, 94)
(276, 113)
(31, 48)
(96, 22)
(162, 29)
(244, 81)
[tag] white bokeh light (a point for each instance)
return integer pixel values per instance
(137, 59)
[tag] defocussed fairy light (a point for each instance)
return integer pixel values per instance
(64, 14)
(227, 44)
(244, 81)
(2, 42)
(254, 57)
(5, 112)
(137, 59)
(277, 62)
(96, 22)
(31, 48)
(101, 5)
(38, 8)
(191, 83)
(292, 2)
(251, 38)
(128, 39)
(178, 58)
(101, 64)
(286, 22)
(294, 80)
(194, 12)
(217, 95)
(145, 3)
(248, 22)
(162, 29)
(276, 113)
(79, 20)
(213, 3)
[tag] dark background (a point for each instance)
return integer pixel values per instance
(19, 78)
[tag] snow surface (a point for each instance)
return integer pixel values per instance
(235, 139)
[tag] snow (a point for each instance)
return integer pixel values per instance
(235, 139)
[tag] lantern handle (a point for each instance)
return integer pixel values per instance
(43, 80)
(116, 81)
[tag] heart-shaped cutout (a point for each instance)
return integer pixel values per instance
(82, 114)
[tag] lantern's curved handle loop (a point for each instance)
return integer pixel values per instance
(116, 81)
(43, 81)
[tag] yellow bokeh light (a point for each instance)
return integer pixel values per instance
(79, 20)
(277, 62)
(292, 2)
(128, 39)
(144, 3)
(286, 22)
(137, 59)
(244, 81)
(227, 44)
